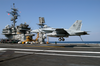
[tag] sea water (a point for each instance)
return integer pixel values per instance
(87, 42)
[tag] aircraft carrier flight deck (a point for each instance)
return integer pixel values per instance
(49, 54)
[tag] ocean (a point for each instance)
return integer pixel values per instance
(87, 42)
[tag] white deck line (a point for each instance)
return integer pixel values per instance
(54, 54)
(51, 50)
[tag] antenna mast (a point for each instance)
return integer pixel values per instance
(14, 14)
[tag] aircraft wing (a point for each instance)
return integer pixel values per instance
(58, 32)
(61, 31)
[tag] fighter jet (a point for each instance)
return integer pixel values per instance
(74, 30)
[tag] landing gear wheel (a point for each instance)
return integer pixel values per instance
(59, 39)
(63, 39)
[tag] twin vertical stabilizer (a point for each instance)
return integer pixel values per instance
(76, 26)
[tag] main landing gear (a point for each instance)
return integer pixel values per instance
(61, 39)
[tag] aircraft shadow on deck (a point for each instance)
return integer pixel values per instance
(76, 46)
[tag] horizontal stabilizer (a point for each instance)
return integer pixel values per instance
(82, 33)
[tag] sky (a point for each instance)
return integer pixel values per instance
(57, 14)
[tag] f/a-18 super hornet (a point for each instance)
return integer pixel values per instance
(74, 30)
